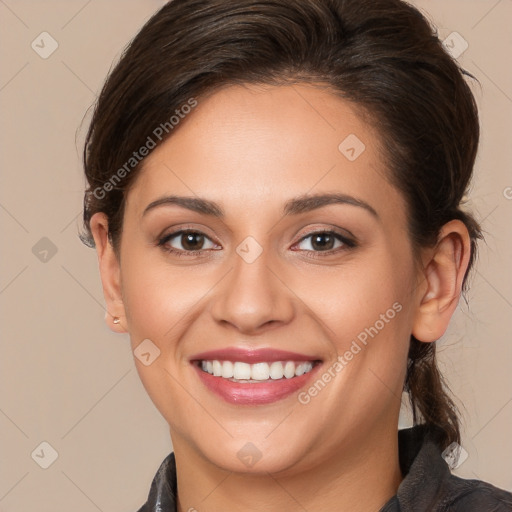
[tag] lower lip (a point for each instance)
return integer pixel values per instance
(256, 393)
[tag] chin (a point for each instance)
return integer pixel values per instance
(259, 456)
(250, 463)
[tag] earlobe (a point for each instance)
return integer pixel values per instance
(443, 275)
(110, 273)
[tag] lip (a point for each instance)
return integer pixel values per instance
(257, 393)
(251, 356)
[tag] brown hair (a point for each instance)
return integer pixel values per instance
(382, 55)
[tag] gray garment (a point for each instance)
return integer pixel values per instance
(428, 485)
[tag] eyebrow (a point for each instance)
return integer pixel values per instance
(295, 206)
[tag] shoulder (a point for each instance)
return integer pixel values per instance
(429, 485)
(163, 491)
(474, 495)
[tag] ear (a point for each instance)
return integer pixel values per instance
(110, 273)
(444, 268)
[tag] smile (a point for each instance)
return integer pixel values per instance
(239, 371)
(252, 377)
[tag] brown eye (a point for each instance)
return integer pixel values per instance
(186, 241)
(192, 241)
(324, 241)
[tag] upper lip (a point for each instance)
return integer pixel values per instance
(245, 355)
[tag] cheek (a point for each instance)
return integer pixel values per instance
(161, 302)
(357, 296)
(368, 311)
(159, 299)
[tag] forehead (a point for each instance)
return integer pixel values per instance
(258, 145)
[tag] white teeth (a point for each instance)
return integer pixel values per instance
(260, 371)
(241, 371)
(276, 370)
(299, 370)
(256, 372)
(217, 368)
(303, 368)
(227, 370)
(289, 369)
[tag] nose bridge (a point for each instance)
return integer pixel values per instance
(252, 295)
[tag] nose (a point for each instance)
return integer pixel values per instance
(253, 297)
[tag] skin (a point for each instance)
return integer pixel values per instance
(250, 149)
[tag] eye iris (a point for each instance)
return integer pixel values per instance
(322, 241)
(191, 241)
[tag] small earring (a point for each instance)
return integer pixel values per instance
(116, 320)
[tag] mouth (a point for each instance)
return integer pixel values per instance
(239, 371)
(245, 377)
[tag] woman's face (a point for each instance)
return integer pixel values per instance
(329, 281)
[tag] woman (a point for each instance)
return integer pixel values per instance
(274, 193)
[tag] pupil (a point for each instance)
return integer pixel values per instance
(326, 245)
(191, 240)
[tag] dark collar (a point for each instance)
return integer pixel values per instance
(423, 468)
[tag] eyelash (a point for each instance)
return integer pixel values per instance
(347, 243)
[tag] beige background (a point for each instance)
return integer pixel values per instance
(69, 381)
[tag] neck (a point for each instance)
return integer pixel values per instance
(360, 478)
